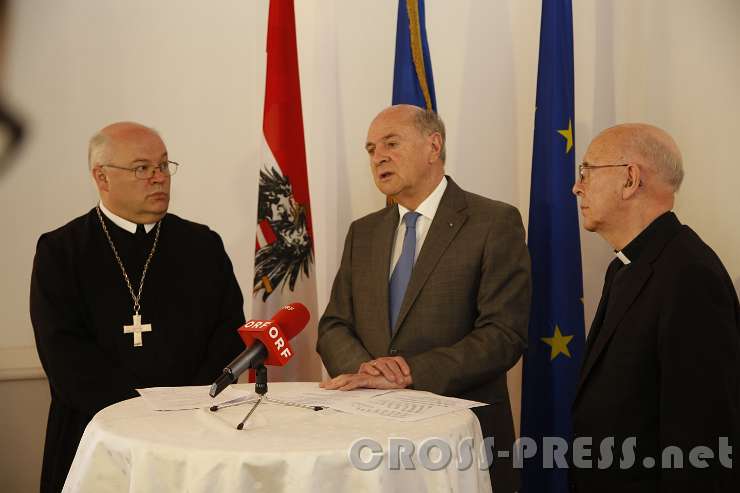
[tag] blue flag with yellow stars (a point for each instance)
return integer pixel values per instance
(413, 81)
(556, 328)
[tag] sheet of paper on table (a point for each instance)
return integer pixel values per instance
(400, 405)
(194, 397)
(325, 398)
(405, 405)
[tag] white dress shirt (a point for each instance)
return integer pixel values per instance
(123, 223)
(427, 209)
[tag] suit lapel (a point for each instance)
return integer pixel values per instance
(629, 287)
(447, 222)
(599, 316)
(381, 256)
(623, 292)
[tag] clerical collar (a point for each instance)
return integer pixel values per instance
(634, 248)
(428, 208)
(124, 223)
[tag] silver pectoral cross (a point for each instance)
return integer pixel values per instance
(137, 328)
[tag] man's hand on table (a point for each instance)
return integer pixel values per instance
(381, 373)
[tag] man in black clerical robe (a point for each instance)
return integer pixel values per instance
(80, 300)
(661, 372)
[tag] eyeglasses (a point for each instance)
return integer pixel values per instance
(146, 171)
(583, 166)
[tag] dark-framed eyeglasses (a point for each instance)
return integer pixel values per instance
(584, 166)
(146, 171)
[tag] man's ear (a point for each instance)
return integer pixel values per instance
(435, 139)
(632, 182)
(100, 178)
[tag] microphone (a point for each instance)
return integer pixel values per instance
(267, 343)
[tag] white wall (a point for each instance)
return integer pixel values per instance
(195, 71)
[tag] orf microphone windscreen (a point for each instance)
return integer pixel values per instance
(292, 319)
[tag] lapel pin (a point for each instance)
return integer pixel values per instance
(451, 225)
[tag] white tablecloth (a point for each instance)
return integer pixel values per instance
(127, 447)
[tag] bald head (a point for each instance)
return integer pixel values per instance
(114, 155)
(426, 121)
(649, 146)
(405, 145)
(629, 177)
(102, 145)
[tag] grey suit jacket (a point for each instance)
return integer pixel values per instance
(463, 321)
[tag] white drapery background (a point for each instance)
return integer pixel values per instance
(195, 71)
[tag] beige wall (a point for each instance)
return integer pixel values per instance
(195, 70)
(23, 412)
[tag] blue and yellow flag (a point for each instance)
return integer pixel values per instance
(556, 327)
(413, 81)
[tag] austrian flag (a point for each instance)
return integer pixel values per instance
(284, 262)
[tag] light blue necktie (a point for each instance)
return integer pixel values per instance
(402, 272)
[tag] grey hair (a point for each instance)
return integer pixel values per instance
(429, 122)
(99, 145)
(667, 161)
(96, 149)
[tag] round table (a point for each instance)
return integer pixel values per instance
(128, 447)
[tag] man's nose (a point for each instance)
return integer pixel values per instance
(379, 158)
(577, 189)
(158, 176)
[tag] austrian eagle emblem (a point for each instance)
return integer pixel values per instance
(283, 248)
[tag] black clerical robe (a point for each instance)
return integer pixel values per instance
(660, 372)
(80, 303)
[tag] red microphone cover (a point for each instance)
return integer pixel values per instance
(275, 333)
(292, 319)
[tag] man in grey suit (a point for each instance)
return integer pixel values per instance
(432, 293)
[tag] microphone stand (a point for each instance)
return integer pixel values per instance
(260, 388)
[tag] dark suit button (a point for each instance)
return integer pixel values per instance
(393, 351)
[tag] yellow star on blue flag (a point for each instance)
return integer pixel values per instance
(558, 343)
(568, 134)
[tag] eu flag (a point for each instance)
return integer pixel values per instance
(556, 328)
(413, 81)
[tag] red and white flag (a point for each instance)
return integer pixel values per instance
(284, 255)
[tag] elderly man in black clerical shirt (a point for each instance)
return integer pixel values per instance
(127, 295)
(658, 400)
